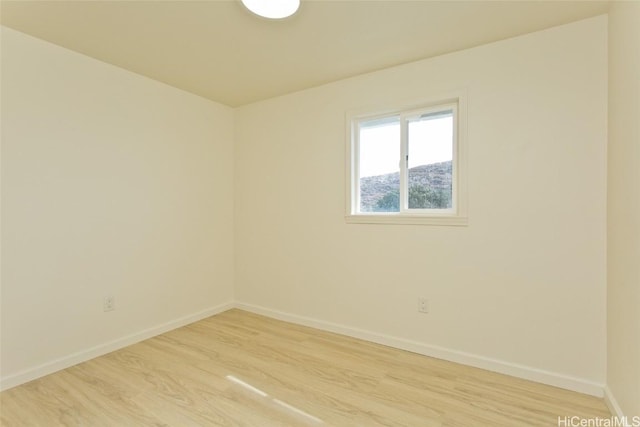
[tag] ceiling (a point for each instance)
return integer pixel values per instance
(219, 50)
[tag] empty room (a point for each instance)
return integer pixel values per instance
(320, 213)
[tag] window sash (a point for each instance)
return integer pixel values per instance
(405, 117)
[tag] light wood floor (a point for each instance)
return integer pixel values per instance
(240, 369)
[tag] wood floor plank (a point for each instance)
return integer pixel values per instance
(242, 369)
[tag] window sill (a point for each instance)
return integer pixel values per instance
(407, 219)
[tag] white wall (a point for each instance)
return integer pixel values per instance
(623, 320)
(523, 284)
(116, 184)
(111, 184)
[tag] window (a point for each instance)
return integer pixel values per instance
(406, 166)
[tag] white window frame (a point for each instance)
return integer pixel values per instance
(457, 214)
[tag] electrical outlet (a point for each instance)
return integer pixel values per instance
(109, 303)
(423, 305)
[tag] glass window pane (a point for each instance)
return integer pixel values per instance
(430, 152)
(379, 165)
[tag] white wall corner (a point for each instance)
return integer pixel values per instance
(612, 403)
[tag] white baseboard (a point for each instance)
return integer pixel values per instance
(102, 349)
(500, 366)
(612, 403)
(516, 370)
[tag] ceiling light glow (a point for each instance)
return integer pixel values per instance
(272, 9)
